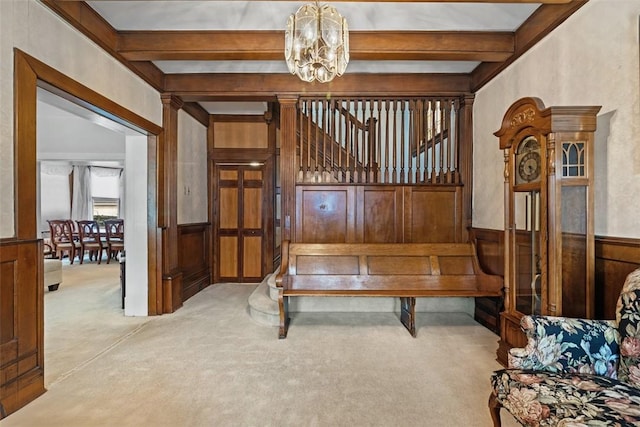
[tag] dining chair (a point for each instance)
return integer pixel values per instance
(62, 239)
(114, 230)
(90, 240)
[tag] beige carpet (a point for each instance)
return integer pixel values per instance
(209, 364)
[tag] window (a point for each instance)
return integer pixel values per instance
(105, 193)
(105, 208)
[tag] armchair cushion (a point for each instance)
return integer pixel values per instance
(537, 398)
(560, 344)
(628, 315)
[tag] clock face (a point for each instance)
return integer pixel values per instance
(529, 166)
(528, 161)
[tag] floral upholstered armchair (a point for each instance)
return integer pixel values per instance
(575, 372)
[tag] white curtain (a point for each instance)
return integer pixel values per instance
(81, 205)
(55, 169)
(54, 193)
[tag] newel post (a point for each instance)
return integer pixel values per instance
(465, 124)
(287, 164)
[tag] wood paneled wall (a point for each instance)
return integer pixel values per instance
(615, 258)
(490, 248)
(378, 213)
(21, 332)
(193, 258)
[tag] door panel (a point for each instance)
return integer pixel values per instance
(252, 205)
(229, 214)
(252, 256)
(228, 257)
(240, 226)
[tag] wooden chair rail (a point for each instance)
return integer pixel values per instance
(404, 270)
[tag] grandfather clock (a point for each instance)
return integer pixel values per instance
(548, 214)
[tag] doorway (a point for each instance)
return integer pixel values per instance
(23, 340)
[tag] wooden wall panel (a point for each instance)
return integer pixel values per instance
(615, 258)
(193, 258)
(21, 324)
(240, 135)
(433, 214)
(381, 214)
(325, 214)
(389, 213)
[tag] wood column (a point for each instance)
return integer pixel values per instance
(465, 126)
(287, 164)
(168, 204)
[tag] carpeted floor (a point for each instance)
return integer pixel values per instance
(210, 364)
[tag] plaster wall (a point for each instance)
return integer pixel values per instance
(192, 170)
(591, 59)
(34, 29)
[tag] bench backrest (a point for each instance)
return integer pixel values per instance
(434, 266)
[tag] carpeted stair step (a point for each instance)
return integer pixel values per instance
(262, 308)
(271, 281)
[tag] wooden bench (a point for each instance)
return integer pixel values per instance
(404, 270)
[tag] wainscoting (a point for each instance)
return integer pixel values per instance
(21, 324)
(193, 258)
(378, 214)
(615, 258)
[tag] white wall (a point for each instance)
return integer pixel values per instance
(135, 236)
(31, 27)
(192, 170)
(591, 59)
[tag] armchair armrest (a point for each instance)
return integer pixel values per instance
(562, 344)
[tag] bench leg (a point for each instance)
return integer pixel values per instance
(408, 314)
(494, 409)
(283, 305)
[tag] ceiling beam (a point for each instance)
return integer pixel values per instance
(218, 87)
(544, 20)
(413, 1)
(269, 45)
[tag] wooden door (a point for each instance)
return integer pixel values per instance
(239, 210)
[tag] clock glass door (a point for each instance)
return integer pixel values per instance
(528, 256)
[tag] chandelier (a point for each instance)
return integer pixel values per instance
(316, 43)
